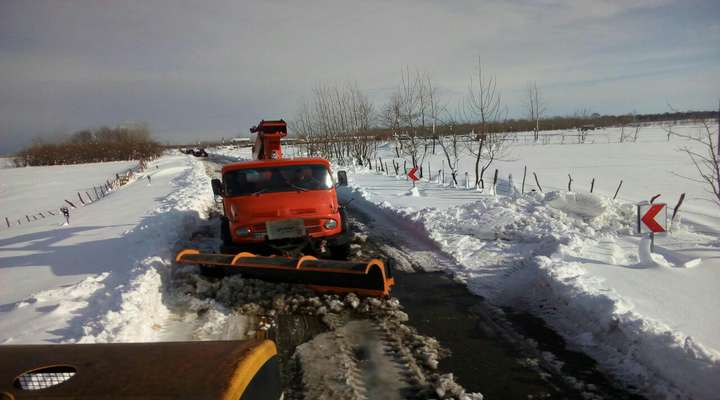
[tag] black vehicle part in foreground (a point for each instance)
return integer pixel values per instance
(373, 278)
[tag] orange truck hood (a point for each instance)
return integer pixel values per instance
(252, 209)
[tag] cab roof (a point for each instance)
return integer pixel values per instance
(283, 162)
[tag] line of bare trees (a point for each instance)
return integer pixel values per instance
(338, 121)
(335, 123)
(128, 142)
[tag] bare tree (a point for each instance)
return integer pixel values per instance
(412, 113)
(705, 158)
(450, 142)
(535, 106)
(335, 123)
(483, 108)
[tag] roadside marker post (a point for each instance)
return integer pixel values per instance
(412, 176)
(651, 219)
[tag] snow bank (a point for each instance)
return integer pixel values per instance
(100, 279)
(541, 253)
(585, 205)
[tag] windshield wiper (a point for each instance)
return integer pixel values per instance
(299, 187)
(263, 190)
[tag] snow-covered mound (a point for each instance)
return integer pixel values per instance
(582, 204)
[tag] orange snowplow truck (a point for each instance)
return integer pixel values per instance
(283, 222)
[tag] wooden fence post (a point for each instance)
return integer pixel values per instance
(495, 179)
(7, 221)
(405, 166)
(592, 185)
(96, 193)
(675, 210)
(618, 190)
(28, 218)
(522, 190)
(537, 182)
(81, 199)
(570, 183)
(71, 204)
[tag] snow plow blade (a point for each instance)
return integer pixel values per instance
(372, 278)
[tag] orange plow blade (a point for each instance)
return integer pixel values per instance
(372, 278)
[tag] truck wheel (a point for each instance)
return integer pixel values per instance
(340, 252)
(225, 232)
(345, 221)
(211, 272)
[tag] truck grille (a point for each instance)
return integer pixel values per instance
(312, 225)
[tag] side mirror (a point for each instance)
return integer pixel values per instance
(217, 187)
(342, 178)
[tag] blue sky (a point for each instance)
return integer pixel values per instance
(206, 69)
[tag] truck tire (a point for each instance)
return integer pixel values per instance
(225, 232)
(340, 251)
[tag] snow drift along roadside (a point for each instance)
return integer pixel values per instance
(134, 310)
(527, 252)
(101, 279)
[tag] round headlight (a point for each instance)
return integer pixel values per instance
(330, 224)
(242, 231)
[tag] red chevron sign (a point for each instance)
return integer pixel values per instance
(411, 174)
(650, 217)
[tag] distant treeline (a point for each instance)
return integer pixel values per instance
(131, 142)
(573, 122)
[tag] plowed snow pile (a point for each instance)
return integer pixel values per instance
(573, 258)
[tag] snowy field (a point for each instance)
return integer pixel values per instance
(99, 278)
(573, 259)
(30, 190)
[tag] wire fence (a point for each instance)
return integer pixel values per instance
(84, 198)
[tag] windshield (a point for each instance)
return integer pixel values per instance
(277, 179)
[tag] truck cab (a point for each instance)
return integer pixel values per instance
(282, 205)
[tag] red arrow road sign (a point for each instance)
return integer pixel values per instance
(649, 218)
(411, 174)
